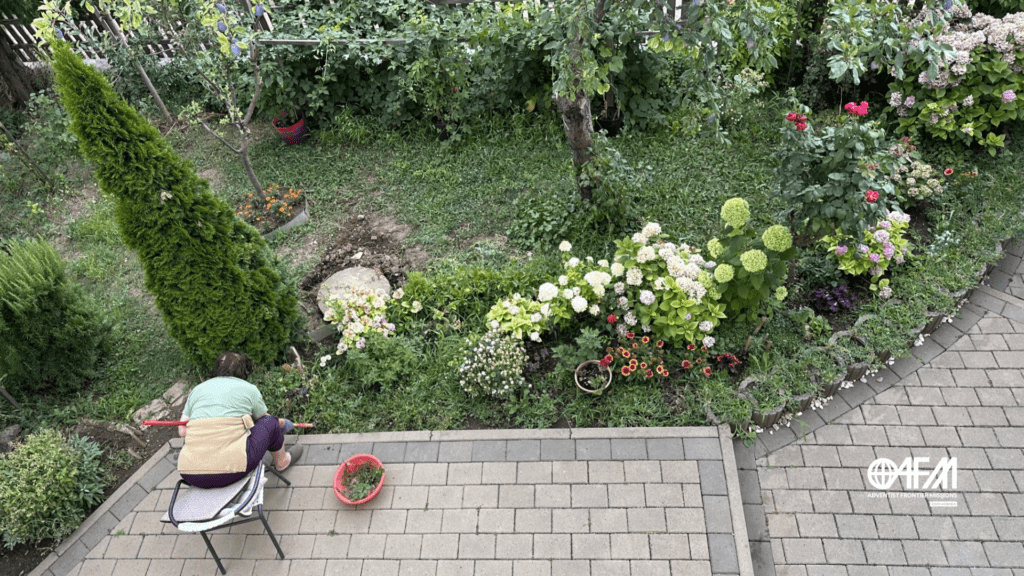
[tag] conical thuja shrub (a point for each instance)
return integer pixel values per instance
(216, 283)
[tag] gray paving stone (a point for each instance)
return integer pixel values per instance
(322, 454)
(835, 408)
(844, 551)
(455, 452)
(724, 559)
(489, 450)
(128, 502)
(946, 335)
(869, 435)
(591, 546)
(750, 487)
(859, 394)
(557, 450)
(817, 525)
(806, 478)
(712, 477)
(803, 551)
(630, 546)
(717, 515)
(895, 527)
(523, 450)
(988, 416)
(629, 449)
(702, 448)
(757, 524)
(774, 441)
(968, 554)
(928, 350)
(885, 552)
(387, 452)
(593, 449)
(952, 416)
(421, 451)
(761, 556)
(843, 479)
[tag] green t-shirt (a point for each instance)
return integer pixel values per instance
(224, 397)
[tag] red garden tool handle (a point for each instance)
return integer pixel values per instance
(183, 422)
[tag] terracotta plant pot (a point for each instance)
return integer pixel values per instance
(589, 365)
(293, 134)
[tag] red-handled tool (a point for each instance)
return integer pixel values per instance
(183, 422)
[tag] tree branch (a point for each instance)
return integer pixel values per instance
(218, 137)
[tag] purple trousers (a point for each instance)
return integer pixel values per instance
(265, 435)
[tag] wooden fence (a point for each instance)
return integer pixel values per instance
(22, 38)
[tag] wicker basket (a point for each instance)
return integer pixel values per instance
(351, 463)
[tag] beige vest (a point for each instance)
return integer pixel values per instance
(215, 446)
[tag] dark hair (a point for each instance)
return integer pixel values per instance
(232, 364)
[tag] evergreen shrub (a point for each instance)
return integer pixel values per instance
(216, 283)
(47, 484)
(51, 335)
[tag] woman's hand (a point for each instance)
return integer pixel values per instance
(181, 431)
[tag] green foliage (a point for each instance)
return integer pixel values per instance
(879, 245)
(752, 264)
(971, 97)
(47, 484)
(360, 480)
(47, 140)
(613, 182)
(51, 334)
(542, 219)
(590, 345)
(216, 283)
(826, 176)
(863, 35)
(174, 79)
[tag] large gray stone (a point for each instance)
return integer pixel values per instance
(355, 277)
(8, 437)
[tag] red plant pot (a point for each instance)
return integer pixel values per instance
(293, 134)
(351, 464)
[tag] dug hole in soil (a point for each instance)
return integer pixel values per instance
(369, 240)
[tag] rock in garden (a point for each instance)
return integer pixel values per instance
(162, 408)
(355, 277)
(8, 437)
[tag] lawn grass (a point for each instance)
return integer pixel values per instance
(479, 204)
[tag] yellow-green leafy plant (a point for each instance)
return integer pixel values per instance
(880, 245)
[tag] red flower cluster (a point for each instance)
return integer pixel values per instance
(643, 357)
(861, 110)
(612, 318)
(871, 196)
(692, 358)
(798, 120)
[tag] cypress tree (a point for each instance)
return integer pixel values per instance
(216, 283)
(51, 335)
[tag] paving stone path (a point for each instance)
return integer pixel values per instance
(643, 502)
(811, 507)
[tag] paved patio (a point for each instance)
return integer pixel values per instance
(649, 501)
(659, 501)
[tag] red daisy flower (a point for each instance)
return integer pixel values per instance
(948, 171)
(660, 343)
(645, 339)
(648, 374)
(687, 364)
(630, 334)
(707, 370)
(625, 371)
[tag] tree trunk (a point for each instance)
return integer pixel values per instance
(244, 154)
(14, 75)
(579, 125)
(112, 26)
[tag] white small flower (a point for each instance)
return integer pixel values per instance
(620, 288)
(546, 292)
(645, 254)
(645, 328)
(494, 324)
(536, 317)
(514, 310)
(416, 306)
(563, 280)
(595, 309)
(398, 294)
(630, 319)
(652, 229)
(623, 302)
(709, 341)
(545, 309)
(639, 238)
(579, 304)
(634, 277)
(647, 297)
(565, 246)
(602, 263)
(618, 269)
(568, 294)
(574, 262)
(706, 326)
(535, 336)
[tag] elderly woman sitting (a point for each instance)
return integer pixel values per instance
(229, 430)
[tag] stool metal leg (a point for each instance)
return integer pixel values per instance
(274, 471)
(214, 552)
(259, 510)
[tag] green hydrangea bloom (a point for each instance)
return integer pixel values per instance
(736, 212)
(705, 279)
(781, 293)
(753, 260)
(724, 273)
(777, 238)
(715, 248)
(714, 293)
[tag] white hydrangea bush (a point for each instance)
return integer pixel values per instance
(493, 366)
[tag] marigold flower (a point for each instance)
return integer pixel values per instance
(625, 353)
(643, 365)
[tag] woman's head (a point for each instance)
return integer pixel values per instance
(232, 364)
